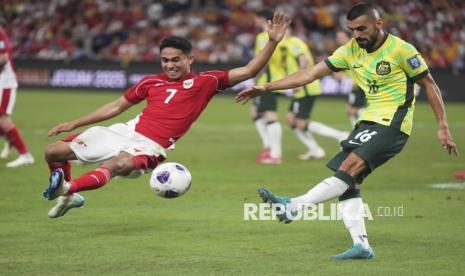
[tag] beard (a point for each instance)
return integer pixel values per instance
(368, 43)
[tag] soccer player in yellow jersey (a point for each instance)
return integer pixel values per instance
(298, 56)
(264, 110)
(386, 68)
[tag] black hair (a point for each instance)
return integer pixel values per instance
(267, 14)
(178, 43)
(362, 9)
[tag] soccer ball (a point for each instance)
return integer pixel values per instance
(170, 180)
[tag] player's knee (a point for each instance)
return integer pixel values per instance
(57, 152)
(5, 123)
(122, 165)
(52, 152)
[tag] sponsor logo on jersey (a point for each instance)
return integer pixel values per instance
(2, 44)
(188, 83)
(354, 143)
(414, 62)
(383, 68)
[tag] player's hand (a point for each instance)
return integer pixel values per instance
(277, 28)
(446, 140)
(64, 127)
(245, 95)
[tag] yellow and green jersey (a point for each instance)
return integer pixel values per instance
(292, 48)
(387, 75)
(275, 68)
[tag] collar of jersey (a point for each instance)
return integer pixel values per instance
(189, 75)
(380, 45)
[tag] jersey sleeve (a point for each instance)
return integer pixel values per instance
(412, 62)
(138, 92)
(338, 60)
(221, 77)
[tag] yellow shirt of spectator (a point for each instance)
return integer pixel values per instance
(387, 75)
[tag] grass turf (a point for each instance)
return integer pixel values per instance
(125, 229)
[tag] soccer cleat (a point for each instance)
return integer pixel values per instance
(55, 188)
(270, 160)
(264, 153)
(312, 154)
(460, 175)
(64, 204)
(22, 160)
(5, 151)
(269, 197)
(355, 252)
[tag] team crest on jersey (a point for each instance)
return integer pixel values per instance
(188, 83)
(383, 68)
(414, 62)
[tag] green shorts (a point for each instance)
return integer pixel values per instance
(374, 143)
(266, 102)
(302, 107)
(357, 98)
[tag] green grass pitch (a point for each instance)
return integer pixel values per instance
(124, 229)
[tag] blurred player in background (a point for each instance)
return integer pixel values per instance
(386, 68)
(298, 56)
(8, 87)
(175, 99)
(264, 109)
(356, 101)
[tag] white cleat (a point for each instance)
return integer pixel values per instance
(64, 204)
(5, 151)
(312, 154)
(22, 160)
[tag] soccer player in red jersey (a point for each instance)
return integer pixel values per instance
(175, 99)
(8, 86)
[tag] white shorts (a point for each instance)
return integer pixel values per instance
(7, 100)
(99, 144)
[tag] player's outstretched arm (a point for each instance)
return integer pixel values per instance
(276, 30)
(297, 79)
(433, 93)
(105, 112)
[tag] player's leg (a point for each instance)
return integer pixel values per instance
(58, 155)
(268, 107)
(352, 213)
(260, 126)
(6, 150)
(298, 115)
(9, 131)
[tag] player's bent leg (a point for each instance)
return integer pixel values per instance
(64, 204)
(6, 150)
(14, 139)
(59, 151)
(314, 150)
(353, 165)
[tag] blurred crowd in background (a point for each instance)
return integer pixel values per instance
(220, 30)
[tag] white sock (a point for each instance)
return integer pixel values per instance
(327, 189)
(274, 131)
(260, 125)
(352, 212)
(324, 130)
(306, 138)
(353, 120)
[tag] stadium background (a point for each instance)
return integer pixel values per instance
(64, 48)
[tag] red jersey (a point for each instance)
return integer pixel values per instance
(173, 105)
(7, 73)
